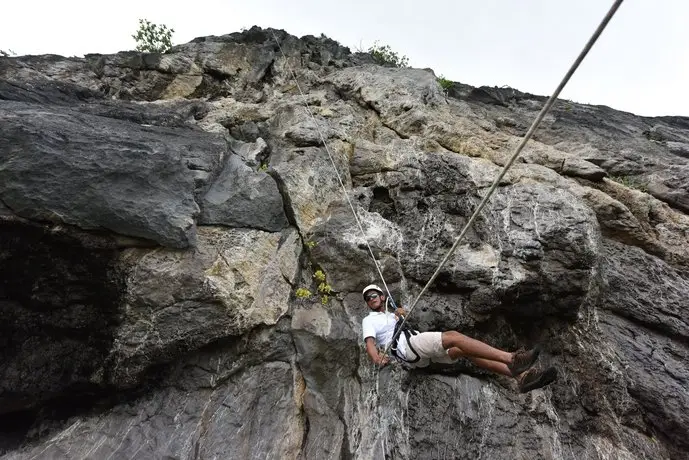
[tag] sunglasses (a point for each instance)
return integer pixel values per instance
(371, 296)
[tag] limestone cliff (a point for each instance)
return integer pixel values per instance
(159, 212)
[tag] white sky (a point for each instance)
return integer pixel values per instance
(640, 64)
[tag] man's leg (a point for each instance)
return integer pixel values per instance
(518, 365)
(459, 345)
(498, 368)
(527, 381)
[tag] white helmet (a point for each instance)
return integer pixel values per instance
(371, 287)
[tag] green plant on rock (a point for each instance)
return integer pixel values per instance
(217, 268)
(311, 244)
(445, 84)
(319, 276)
(153, 38)
(324, 289)
(302, 293)
(384, 55)
(631, 182)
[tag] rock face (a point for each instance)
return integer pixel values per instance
(162, 216)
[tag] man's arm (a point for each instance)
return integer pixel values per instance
(373, 353)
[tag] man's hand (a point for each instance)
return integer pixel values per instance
(382, 361)
(400, 312)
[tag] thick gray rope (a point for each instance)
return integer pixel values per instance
(339, 178)
(514, 156)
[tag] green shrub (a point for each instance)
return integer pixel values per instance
(384, 55)
(153, 38)
(319, 276)
(631, 182)
(302, 293)
(324, 289)
(445, 83)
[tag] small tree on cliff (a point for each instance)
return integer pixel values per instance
(153, 38)
(384, 55)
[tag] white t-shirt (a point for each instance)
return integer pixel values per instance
(381, 326)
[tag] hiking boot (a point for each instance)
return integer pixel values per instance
(536, 378)
(522, 360)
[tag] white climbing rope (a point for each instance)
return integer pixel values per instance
(517, 151)
(337, 173)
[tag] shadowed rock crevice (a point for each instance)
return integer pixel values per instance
(60, 299)
(382, 203)
(213, 86)
(287, 202)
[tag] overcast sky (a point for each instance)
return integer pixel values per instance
(640, 64)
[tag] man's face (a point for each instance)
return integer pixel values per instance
(375, 300)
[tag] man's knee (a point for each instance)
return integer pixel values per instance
(455, 353)
(450, 339)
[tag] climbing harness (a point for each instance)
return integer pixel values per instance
(400, 326)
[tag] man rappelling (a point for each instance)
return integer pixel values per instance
(419, 349)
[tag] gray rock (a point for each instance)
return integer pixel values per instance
(183, 421)
(342, 250)
(233, 282)
(94, 172)
(621, 143)
(657, 376)
(309, 133)
(308, 182)
(655, 291)
(242, 197)
(252, 153)
(647, 320)
(5, 211)
(671, 186)
(679, 148)
(534, 251)
(48, 79)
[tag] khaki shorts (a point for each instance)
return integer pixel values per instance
(429, 346)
